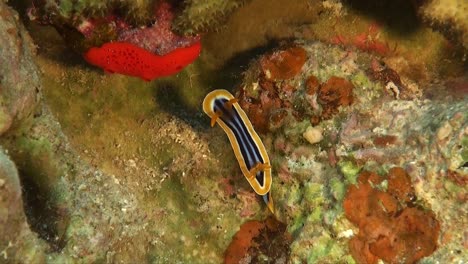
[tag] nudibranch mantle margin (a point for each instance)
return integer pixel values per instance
(222, 107)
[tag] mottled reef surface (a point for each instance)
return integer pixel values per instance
(363, 112)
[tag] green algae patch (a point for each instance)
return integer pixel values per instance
(337, 189)
(313, 194)
(350, 170)
(298, 223)
(315, 216)
(464, 151)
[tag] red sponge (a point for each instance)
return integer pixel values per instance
(128, 59)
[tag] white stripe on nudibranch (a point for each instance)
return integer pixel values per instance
(222, 108)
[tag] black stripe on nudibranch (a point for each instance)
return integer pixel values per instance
(247, 145)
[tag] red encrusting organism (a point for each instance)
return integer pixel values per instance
(128, 59)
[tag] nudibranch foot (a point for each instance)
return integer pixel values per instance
(223, 108)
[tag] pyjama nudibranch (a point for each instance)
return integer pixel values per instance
(222, 108)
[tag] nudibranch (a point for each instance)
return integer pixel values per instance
(128, 59)
(221, 106)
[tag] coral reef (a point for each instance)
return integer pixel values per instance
(338, 115)
(334, 93)
(366, 41)
(284, 64)
(269, 102)
(140, 177)
(193, 16)
(158, 38)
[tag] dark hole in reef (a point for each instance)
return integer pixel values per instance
(171, 100)
(42, 215)
(398, 15)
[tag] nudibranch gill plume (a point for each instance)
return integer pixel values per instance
(222, 107)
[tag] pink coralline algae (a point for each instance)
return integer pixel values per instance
(157, 38)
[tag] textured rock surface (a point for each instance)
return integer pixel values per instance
(448, 16)
(69, 12)
(17, 70)
(18, 243)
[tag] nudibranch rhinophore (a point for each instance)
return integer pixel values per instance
(221, 106)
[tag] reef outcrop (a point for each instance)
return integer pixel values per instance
(335, 122)
(447, 16)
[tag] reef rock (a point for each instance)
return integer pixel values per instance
(63, 219)
(76, 212)
(17, 70)
(18, 243)
(448, 16)
(367, 124)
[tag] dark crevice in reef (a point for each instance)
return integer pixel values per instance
(398, 15)
(42, 215)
